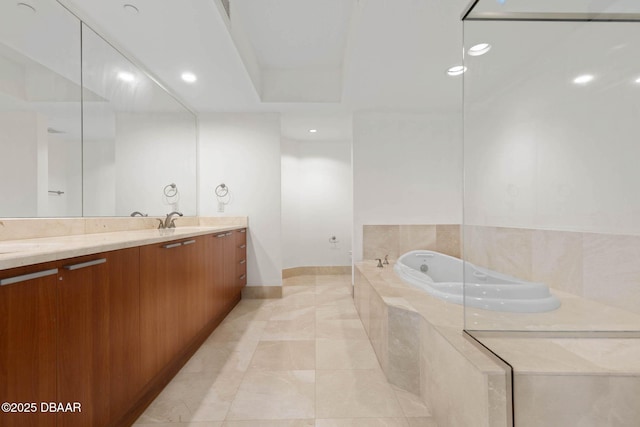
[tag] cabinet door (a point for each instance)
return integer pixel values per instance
(230, 268)
(216, 296)
(98, 336)
(28, 342)
(172, 282)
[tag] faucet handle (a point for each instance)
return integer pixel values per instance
(379, 263)
(161, 224)
(386, 260)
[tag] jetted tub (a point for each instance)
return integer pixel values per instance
(441, 276)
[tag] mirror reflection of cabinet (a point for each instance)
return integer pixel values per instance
(83, 131)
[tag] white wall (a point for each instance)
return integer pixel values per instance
(406, 170)
(316, 203)
(243, 151)
(547, 153)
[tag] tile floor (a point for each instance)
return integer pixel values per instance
(303, 360)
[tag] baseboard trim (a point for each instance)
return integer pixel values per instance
(315, 270)
(261, 292)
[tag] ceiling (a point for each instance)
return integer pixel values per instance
(329, 56)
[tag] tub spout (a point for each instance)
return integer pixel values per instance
(379, 263)
(386, 260)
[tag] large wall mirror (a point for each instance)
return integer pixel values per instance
(83, 131)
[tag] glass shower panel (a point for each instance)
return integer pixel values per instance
(551, 204)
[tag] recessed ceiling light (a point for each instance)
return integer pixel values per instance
(26, 6)
(583, 79)
(456, 70)
(131, 8)
(189, 77)
(313, 130)
(479, 49)
(126, 76)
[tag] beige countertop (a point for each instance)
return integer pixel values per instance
(18, 253)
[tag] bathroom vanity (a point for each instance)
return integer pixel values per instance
(103, 322)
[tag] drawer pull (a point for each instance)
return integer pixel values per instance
(30, 276)
(221, 235)
(244, 276)
(228, 234)
(172, 245)
(85, 264)
(244, 230)
(242, 246)
(188, 242)
(243, 261)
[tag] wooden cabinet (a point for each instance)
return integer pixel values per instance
(28, 342)
(241, 258)
(110, 330)
(172, 310)
(98, 336)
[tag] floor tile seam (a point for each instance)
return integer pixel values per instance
(235, 394)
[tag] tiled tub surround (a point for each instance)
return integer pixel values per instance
(420, 345)
(557, 381)
(598, 267)
(395, 240)
(32, 241)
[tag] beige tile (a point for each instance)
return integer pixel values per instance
(412, 405)
(194, 397)
(381, 240)
(361, 291)
(413, 237)
(292, 312)
(403, 364)
(185, 424)
(301, 280)
(422, 422)
(345, 354)
(505, 250)
(341, 329)
(261, 292)
(285, 355)
(341, 311)
(378, 328)
(611, 270)
(270, 423)
(336, 269)
(238, 330)
(557, 260)
(354, 394)
(297, 271)
(251, 309)
(302, 328)
(289, 290)
(216, 357)
(265, 395)
(448, 239)
(362, 422)
(589, 401)
(333, 279)
(302, 299)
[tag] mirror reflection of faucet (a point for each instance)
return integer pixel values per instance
(137, 213)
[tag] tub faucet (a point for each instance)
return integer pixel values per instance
(379, 263)
(386, 260)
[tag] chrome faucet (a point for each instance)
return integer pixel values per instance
(379, 263)
(386, 260)
(137, 213)
(168, 221)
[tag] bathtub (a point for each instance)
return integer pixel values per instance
(442, 276)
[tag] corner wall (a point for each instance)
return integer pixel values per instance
(243, 151)
(406, 170)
